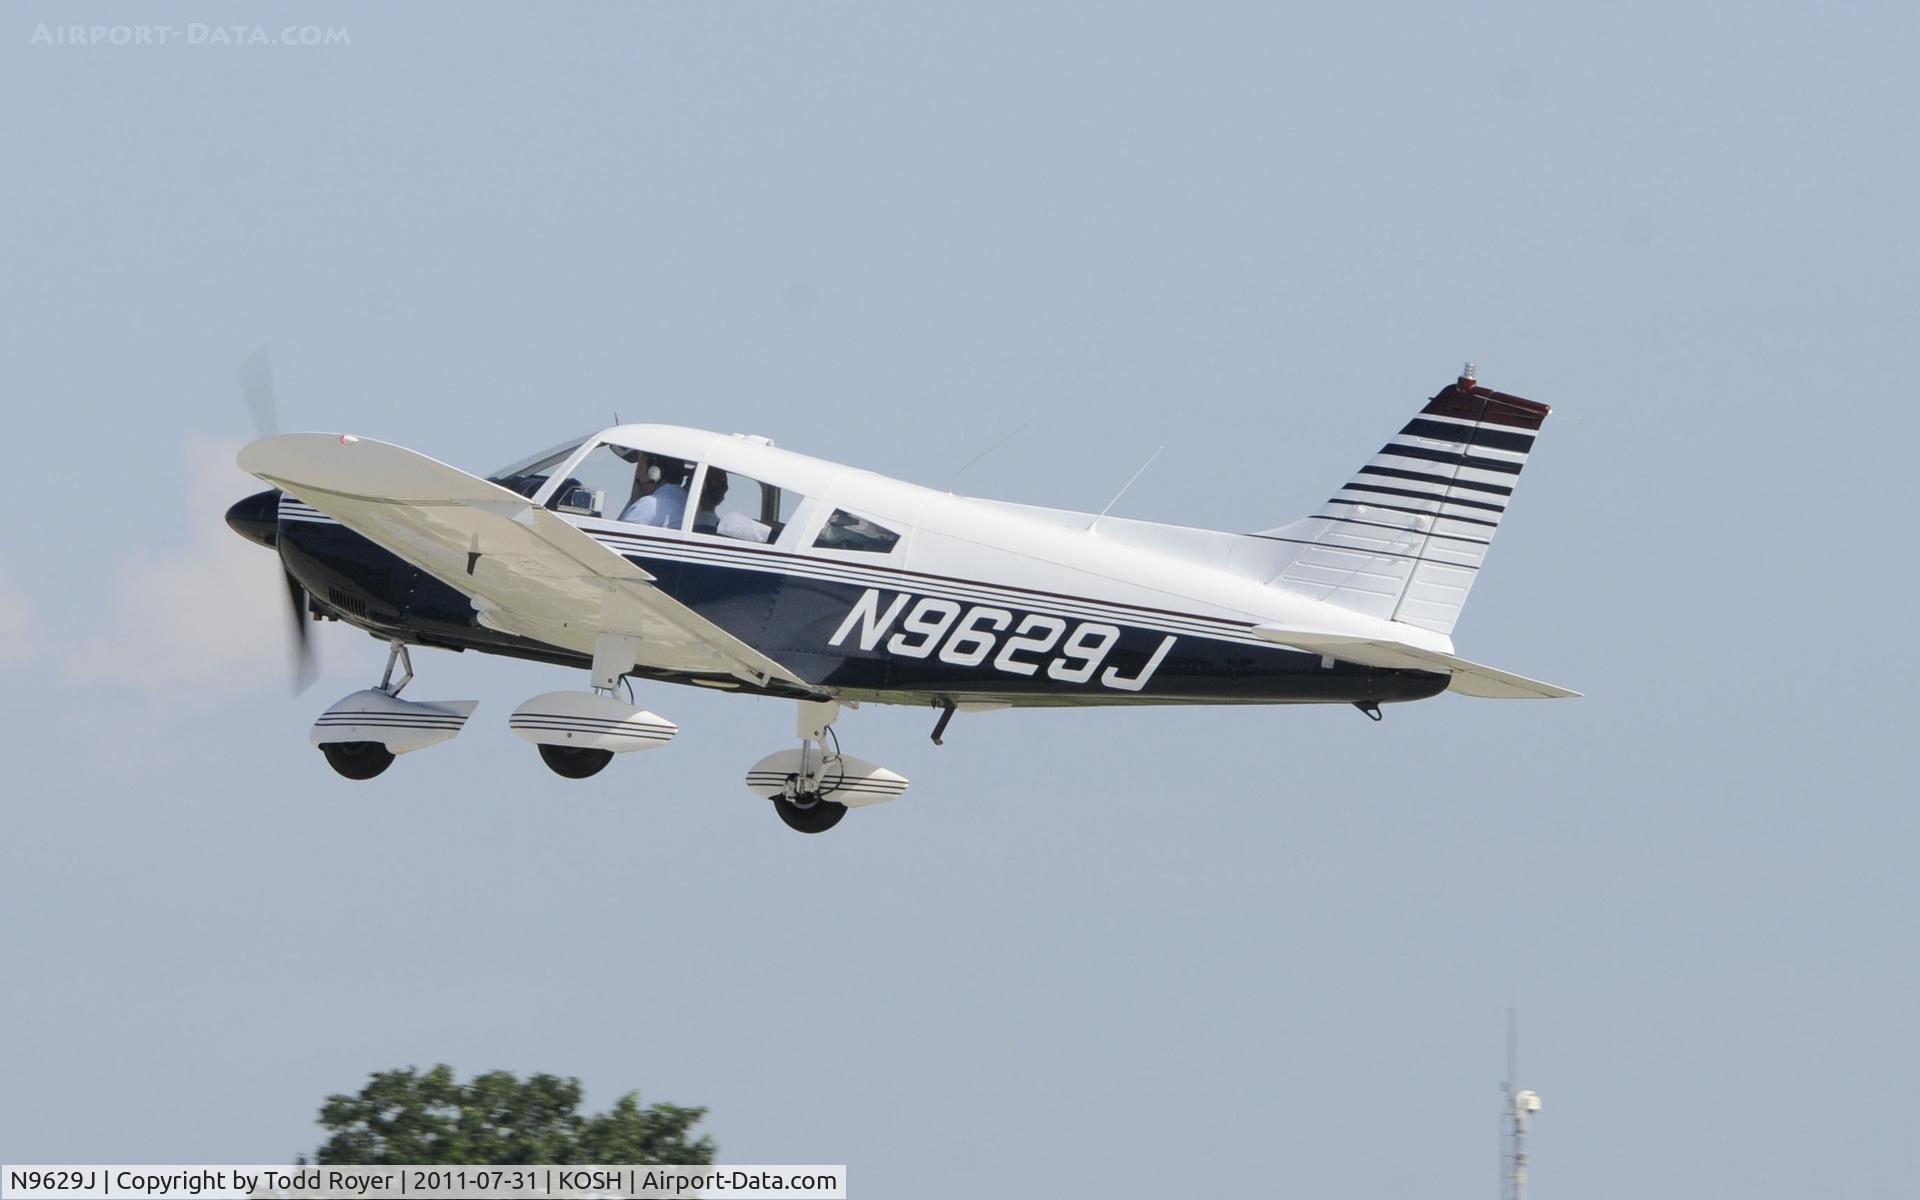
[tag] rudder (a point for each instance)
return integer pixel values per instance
(1404, 538)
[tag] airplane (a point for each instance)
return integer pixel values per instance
(667, 554)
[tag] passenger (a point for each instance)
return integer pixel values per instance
(740, 525)
(708, 519)
(659, 498)
(713, 490)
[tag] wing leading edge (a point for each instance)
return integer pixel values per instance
(527, 571)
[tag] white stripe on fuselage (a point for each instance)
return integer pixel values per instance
(870, 575)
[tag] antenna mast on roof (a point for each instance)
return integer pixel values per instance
(976, 458)
(1123, 488)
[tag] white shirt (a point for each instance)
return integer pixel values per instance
(663, 506)
(739, 525)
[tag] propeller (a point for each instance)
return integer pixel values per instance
(305, 669)
(256, 387)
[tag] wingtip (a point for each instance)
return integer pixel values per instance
(272, 454)
(251, 455)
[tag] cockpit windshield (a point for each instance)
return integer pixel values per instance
(529, 475)
(621, 483)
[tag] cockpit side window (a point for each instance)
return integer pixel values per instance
(844, 531)
(622, 484)
(735, 506)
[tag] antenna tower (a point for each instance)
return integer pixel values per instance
(1520, 1106)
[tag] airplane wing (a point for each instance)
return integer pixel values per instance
(1469, 678)
(527, 571)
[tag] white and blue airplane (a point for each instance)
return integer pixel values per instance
(661, 553)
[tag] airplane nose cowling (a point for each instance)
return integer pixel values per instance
(257, 518)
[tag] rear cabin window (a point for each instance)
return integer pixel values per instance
(844, 531)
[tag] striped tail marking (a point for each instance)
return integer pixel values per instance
(1405, 537)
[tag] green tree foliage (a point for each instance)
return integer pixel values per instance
(410, 1116)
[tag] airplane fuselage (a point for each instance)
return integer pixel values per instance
(681, 555)
(865, 631)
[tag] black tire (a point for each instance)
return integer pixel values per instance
(575, 762)
(357, 760)
(817, 817)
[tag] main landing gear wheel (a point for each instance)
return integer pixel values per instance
(357, 760)
(809, 813)
(800, 782)
(575, 762)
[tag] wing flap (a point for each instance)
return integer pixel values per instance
(527, 570)
(1469, 678)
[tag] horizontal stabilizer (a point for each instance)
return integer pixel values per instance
(1469, 678)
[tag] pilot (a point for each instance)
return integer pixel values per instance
(659, 498)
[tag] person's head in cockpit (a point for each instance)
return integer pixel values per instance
(658, 496)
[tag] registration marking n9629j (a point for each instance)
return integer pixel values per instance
(969, 635)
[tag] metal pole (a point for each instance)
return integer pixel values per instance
(1521, 1105)
(1509, 1112)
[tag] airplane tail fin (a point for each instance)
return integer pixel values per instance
(1405, 537)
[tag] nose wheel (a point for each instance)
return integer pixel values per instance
(357, 760)
(363, 733)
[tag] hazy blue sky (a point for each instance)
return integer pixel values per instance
(1131, 954)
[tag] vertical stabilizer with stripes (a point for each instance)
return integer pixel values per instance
(1405, 537)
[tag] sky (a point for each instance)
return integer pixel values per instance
(1120, 953)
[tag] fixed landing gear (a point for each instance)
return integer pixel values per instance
(808, 813)
(813, 787)
(574, 762)
(363, 733)
(578, 733)
(357, 760)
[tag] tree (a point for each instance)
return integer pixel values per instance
(408, 1116)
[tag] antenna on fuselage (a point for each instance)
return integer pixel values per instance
(955, 478)
(1123, 488)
